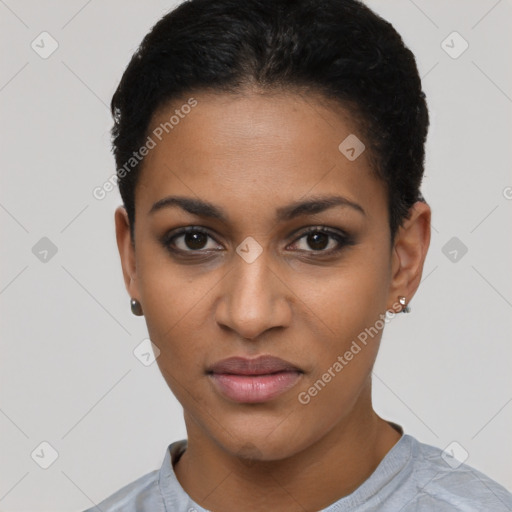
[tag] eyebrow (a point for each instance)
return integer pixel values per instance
(201, 208)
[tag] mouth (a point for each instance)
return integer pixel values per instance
(253, 380)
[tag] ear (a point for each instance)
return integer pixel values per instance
(126, 251)
(409, 252)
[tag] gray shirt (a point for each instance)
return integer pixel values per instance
(412, 477)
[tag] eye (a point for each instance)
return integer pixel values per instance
(323, 240)
(189, 239)
(195, 239)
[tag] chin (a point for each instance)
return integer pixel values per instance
(263, 440)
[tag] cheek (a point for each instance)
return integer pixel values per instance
(344, 356)
(347, 298)
(172, 302)
(346, 314)
(168, 293)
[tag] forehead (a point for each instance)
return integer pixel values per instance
(256, 150)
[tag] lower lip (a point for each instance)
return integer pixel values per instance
(251, 389)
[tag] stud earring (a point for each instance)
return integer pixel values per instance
(136, 307)
(405, 307)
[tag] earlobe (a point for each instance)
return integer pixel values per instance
(409, 252)
(126, 250)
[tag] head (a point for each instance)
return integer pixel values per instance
(290, 136)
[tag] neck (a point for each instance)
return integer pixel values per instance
(310, 479)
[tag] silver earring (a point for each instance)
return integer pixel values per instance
(405, 308)
(136, 307)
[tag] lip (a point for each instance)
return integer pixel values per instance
(253, 380)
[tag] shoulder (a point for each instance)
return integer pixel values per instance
(443, 481)
(141, 494)
(147, 492)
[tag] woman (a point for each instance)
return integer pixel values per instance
(270, 156)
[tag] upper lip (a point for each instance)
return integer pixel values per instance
(262, 365)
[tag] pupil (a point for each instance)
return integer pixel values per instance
(195, 240)
(315, 243)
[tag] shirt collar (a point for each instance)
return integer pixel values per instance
(173, 494)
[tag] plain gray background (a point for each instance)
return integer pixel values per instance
(69, 376)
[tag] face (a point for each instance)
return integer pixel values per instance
(286, 254)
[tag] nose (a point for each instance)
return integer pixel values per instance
(254, 298)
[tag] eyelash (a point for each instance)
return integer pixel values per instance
(342, 239)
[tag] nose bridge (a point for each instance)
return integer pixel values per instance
(252, 274)
(251, 301)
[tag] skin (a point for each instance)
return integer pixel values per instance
(250, 154)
